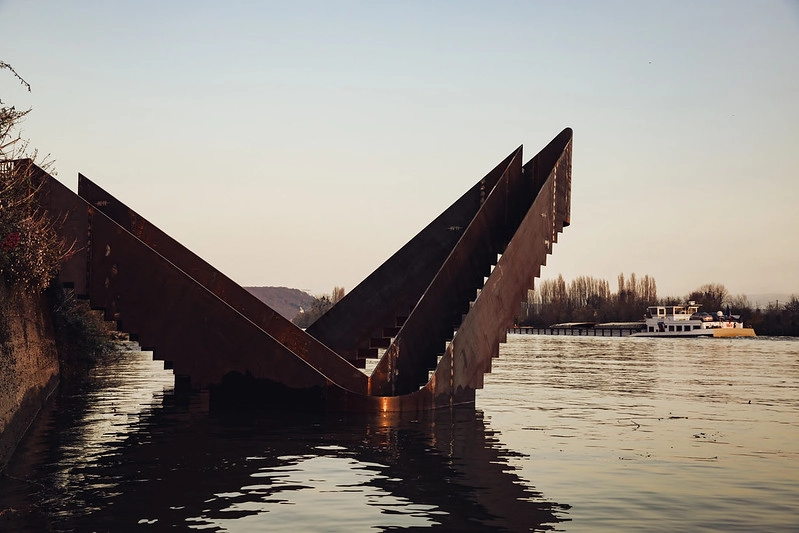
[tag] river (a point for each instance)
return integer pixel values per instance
(571, 434)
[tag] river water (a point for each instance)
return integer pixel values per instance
(571, 434)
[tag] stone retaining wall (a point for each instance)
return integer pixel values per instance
(28, 362)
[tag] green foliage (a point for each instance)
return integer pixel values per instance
(30, 250)
(81, 334)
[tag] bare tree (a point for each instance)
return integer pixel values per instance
(338, 294)
(712, 296)
(319, 307)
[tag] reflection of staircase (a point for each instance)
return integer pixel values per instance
(440, 304)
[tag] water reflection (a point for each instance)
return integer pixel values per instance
(689, 435)
(125, 453)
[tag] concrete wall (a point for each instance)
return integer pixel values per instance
(28, 362)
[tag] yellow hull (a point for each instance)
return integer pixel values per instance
(734, 332)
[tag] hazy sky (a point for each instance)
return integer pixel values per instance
(301, 143)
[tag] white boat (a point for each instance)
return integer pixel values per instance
(686, 321)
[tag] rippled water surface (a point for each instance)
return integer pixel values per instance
(570, 434)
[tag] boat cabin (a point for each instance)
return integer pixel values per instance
(674, 312)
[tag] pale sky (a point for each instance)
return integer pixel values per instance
(301, 143)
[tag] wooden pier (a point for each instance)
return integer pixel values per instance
(582, 329)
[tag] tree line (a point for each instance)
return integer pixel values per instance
(589, 299)
(319, 307)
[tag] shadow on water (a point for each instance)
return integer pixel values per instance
(94, 465)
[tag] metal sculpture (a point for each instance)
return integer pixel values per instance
(438, 308)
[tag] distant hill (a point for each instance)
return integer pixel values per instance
(285, 301)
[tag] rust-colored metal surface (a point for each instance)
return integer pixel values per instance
(519, 218)
(371, 314)
(270, 321)
(180, 320)
(438, 308)
(197, 333)
(72, 219)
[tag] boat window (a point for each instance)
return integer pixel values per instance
(651, 329)
(696, 326)
(679, 328)
(671, 328)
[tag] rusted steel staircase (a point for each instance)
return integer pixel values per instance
(459, 317)
(314, 353)
(438, 308)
